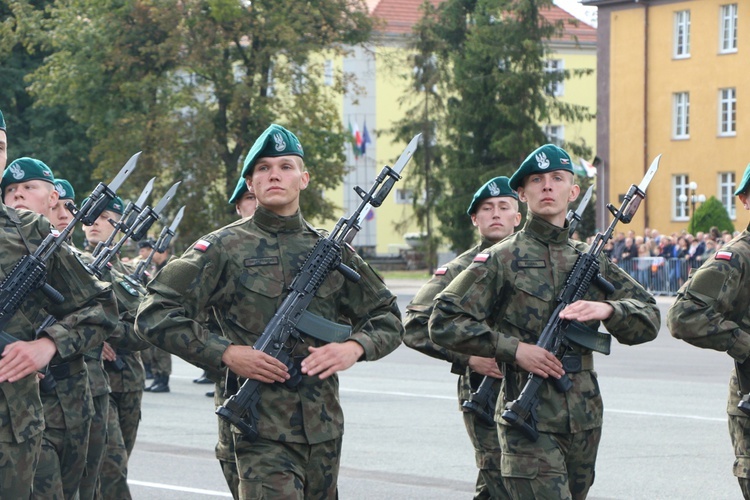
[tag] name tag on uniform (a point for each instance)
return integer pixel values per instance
(263, 261)
(531, 263)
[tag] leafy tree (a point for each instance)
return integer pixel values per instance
(497, 51)
(709, 214)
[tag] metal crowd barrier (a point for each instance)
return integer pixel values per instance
(658, 275)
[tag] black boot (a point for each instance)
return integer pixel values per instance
(161, 384)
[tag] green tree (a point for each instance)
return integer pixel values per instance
(709, 214)
(497, 51)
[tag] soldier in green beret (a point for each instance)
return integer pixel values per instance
(59, 215)
(494, 212)
(500, 304)
(712, 311)
(28, 184)
(243, 199)
(3, 142)
(243, 271)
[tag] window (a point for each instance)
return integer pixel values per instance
(726, 193)
(328, 72)
(728, 29)
(555, 134)
(681, 115)
(680, 197)
(682, 34)
(554, 67)
(299, 79)
(404, 196)
(727, 112)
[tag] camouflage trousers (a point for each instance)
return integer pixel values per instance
(559, 466)
(18, 461)
(488, 457)
(62, 462)
(122, 428)
(225, 446)
(739, 432)
(272, 469)
(161, 361)
(89, 489)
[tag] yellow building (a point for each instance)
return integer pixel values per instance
(671, 81)
(383, 73)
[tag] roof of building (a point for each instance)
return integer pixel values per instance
(401, 15)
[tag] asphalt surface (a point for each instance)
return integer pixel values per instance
(665, 431)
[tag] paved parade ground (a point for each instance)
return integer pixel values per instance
(665, 431)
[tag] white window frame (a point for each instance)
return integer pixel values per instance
(680, 186)
(328, 73)
(727, 112)
(556, 89)
(555, 134)
(681, 43)
(728, 29)
(681, 115)
(404, 196)
(727, 184)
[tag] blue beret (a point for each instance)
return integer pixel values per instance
(274, 141)
(494, 188)
(26, 169)
(745, 184)
(239, 190)
(64, 189)
(547, 158)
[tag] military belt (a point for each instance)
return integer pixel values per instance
(67, 369)
(574, 362)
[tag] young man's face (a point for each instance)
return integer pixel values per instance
(496, 218)
(277, 183)
(3, 150)
(143, 252)
(35, 195)
(60, 216)
(101, 229)
(246, 205)
(548, 194)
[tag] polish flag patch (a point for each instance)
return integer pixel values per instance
(440, 271)
(481, 257)
(724, 255)
(202, 245)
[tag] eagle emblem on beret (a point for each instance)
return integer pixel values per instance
(542, 161)
(17, 172)
(280, 144)
(60, 190)
(494, 190)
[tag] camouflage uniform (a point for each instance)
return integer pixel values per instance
(505, 297)
(99, 386)
(483, 437)
(712, 311)
(243, 270)
(84, 319)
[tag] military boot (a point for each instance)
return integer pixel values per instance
(161, 384)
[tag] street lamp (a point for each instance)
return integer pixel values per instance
(694, 198)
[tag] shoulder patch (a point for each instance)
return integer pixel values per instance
(129, 288)
(202, 245)
(531, 263)
(263, 261)
(724, 255)
(440, 271)
(481, 257)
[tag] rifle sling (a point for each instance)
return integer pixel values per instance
(13, 216)
(323, 329)
(588, 338)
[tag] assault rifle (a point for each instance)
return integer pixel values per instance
(162, 243)
(521, 413)
(482, 401)
(292, 317)
(30, 273)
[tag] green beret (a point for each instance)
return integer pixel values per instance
(115, 205)
(745, 184)
(239, 190)
(26, 169)
(494, 188)
(547, 158)
(274, 141)
(2, 120)
(65, 190)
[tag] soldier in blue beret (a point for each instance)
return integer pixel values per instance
(243, 271)
(3, 142)
(712, 311)
(28, 183)
(501, 303)
(494, 212)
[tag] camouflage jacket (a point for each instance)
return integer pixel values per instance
(507, 295)
(418, 314)
(712, 309)
(243, 271)
(84, 319)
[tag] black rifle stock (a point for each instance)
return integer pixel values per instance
(241, 409)
(521, 413)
